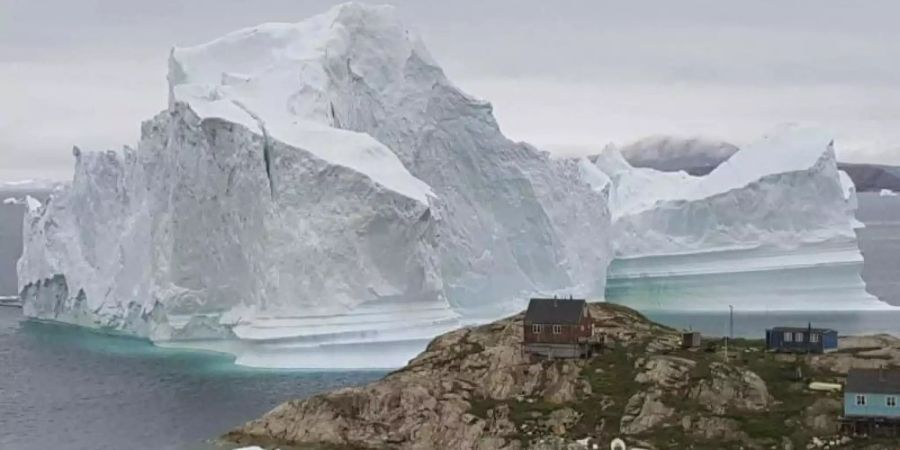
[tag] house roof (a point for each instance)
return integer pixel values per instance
(873, 381)
(552, 310)
(802, 329)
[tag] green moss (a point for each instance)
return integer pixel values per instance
(611, 376)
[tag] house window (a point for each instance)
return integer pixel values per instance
(814, 338)
(891, 401)
(536, 328)
(557, 329)
(798, 337)
(860, 400)
(788, 336)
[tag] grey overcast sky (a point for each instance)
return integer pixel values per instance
(567, 76)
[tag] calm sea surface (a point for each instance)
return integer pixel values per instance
(63, 388)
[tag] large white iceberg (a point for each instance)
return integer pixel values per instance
(318, 194)
(313, 193)
(772, 228)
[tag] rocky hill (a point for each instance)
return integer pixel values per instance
(474, 388)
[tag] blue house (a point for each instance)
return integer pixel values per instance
(801, 340)
(872, 401)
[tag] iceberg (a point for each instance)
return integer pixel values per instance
(771, 228)
(319, 195)
(316, 193)
(887, 193)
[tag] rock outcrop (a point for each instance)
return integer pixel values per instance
(475, 388)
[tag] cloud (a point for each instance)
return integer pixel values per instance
(54, 106)
(574, 118)
(567, 76)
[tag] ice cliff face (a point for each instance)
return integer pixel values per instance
(313, 188)
(774, 222)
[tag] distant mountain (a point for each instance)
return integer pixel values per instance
(698, 157)
(873, 177)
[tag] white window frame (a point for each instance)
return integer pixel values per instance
(814, 338)
(798, 336)
(860, 400)
(536, 328)
(890, 401)
(788, 336)
(557, 329)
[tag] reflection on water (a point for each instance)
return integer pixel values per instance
(67, 388)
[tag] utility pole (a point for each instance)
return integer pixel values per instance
(731, 321)
(730, 329)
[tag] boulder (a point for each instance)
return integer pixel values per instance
(644, 411)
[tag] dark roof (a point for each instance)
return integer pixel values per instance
(801, 329)
(874, 381)
(551, 310)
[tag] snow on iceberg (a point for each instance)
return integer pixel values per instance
(771, 228)
(315, 194)
(32, 204)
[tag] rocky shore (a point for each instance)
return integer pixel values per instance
(475, 388)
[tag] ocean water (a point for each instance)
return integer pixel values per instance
(63, 388)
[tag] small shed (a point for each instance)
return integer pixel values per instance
(690, 339)
(872, 401)
(558, 328)
(801, 340)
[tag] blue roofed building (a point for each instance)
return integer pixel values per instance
(801, 339)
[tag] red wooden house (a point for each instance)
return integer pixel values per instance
(558, 328)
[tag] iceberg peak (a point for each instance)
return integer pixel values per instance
(287, 81)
